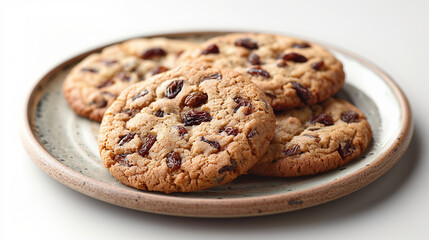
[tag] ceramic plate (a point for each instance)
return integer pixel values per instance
(64, 145)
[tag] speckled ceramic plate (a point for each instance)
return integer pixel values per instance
(64, 145)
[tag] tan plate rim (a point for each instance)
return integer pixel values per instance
(252, 206)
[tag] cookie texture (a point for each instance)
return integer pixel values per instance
(315, 139)
(94, 83)
(187, 129)
(290, 71)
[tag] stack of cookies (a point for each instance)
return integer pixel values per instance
(178, 116)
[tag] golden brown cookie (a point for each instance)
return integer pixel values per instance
(94, 83)
(315, 139)
(290, 71)
(187, 129)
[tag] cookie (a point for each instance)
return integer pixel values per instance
(94, 83)
(290, 71)
(315, 139)
(187, 129)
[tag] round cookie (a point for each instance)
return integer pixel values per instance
(315, 139)
(187, 129)
(94, 83)
(290, 71)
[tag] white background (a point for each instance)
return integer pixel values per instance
(37, 35)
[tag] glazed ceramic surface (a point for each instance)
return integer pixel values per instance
(65, 146)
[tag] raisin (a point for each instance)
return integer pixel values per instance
(243, 103)
(282, 63)
(294, 150)
(303, 93)
(121, 159)
(126, 138)
(159, 113)
(251, 133)
(210, 49)
(246, 43)
(159, 69)
(346, 150)
(254, 59)
(108, 62)
(301, 45)
(217, 76)
(195, 99)
(182, 130)
(106, 83)
(258, 71)
(196, 117)
(125, 77)
(322, 118)
(140, 94)
(148, 143)
(173, 89)
(350, 116)
(294, 57)
(230, 131)
(318, 65)
(173, 160)
(228, 168)
(130, 112)
(90, 70)
(153, 52)
(214, 144)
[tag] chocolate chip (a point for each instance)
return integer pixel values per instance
(243, 103)
(107, 83)
(228, 168)
(174, 161)
(258, 71)
(217, 76)
(350, 116)
(126, 138)
(251, 133)
(322, 118)
(147, 144)
(214, 144)
(182, 130)
(303, 93)
(195, 99)
(270, 94)
(122, 160)
(210, 49)
(254, 59)
(159, 113)
(294, 150)
(294, 57)
(246, 43)
(346, 149)
(153, 52)
(103, 103)
(301, 45)
(140, 94)
(196, 117)
(173, 89)
(159, 69)
(318, 65)
(230, 131)
(313, 129)
(88, 69)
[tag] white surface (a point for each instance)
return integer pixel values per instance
(37, 36)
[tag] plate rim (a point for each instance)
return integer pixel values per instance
(198, 207)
